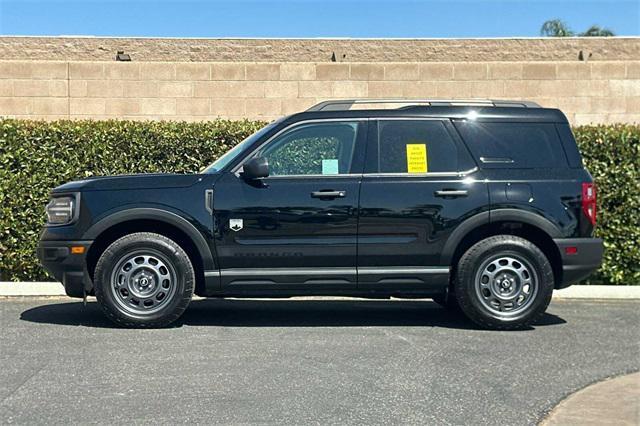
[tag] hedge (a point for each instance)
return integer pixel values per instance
(612, 155)
(36, 156)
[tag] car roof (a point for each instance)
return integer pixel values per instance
(485, 110)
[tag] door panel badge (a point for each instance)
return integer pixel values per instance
(235, 224)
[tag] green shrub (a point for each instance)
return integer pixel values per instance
(36, 156)
(612, 155)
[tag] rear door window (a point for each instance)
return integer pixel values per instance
(513, 145)
(415, 147)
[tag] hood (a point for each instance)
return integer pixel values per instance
(123, 182)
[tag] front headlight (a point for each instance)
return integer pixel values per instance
(61, 210)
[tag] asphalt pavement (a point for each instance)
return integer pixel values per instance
(304, 361)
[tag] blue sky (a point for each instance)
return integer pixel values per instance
(311, 18)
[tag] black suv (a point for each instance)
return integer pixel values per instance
(482, 205)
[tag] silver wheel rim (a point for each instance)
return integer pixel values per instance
(506, 285)
(143, 282)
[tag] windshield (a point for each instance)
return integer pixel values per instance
(237, 150)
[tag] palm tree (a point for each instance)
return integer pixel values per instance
(597, 31)
(558, 28)
(555, 28)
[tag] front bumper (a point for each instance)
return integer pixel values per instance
(579, 265)
(68, 268)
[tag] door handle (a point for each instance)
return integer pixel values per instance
(328, 194)
(451, 193)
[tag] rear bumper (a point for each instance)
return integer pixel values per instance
(68, 268)
(579, 265)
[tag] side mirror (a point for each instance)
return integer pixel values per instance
(255, 168)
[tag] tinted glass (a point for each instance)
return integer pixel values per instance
(239, 149)
(569, 143)
(312, 149)
(415, 146)
(513, 145)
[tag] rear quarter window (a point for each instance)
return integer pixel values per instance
(513, 145)
(570, 146)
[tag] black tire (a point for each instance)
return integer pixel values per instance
(478, 288)
(154, 260)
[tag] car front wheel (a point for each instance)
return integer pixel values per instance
(144, 280)
(504, 282)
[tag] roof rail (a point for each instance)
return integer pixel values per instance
(346, 104)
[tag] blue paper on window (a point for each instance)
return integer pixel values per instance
(330, 167)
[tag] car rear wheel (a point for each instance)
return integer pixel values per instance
(504, 282)
(144, 280)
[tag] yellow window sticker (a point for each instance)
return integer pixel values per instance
(416, 158)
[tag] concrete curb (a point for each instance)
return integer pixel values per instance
(10, 288)
(27, 289)
(598, 292)
(614, 401)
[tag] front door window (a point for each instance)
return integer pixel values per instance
(312, 149)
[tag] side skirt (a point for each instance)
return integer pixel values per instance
(357, 282)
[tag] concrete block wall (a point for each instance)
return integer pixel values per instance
(588, 92)
(146, 49)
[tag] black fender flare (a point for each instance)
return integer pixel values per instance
(147, 213)
(528, 217)
(493, 216)
(459, 233)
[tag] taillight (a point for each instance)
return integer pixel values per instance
(589, 201)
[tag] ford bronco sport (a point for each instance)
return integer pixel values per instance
(481, 205)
